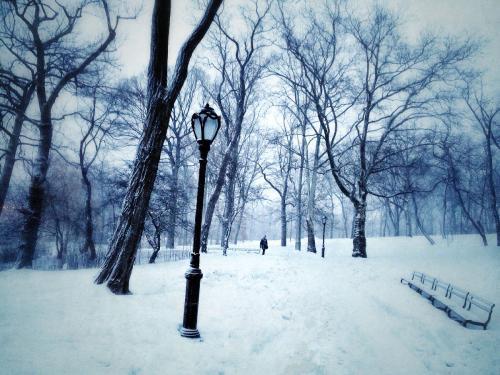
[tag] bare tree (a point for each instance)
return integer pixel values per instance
(486, 114)
(277, 173)
(251, 153)
(459, 161)
(160, 102)
(56, 62)
(178, 148)
(98, 122)
(17, 85)
(241, 66)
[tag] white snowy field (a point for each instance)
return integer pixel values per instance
(282, 313)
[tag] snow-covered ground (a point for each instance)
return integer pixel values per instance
(282, 313)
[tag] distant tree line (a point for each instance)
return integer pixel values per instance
(382, 135)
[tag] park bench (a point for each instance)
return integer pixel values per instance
(460, 305)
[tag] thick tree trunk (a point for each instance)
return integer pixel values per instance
(313, 177)
(89, 223)
(10, 158)
(126, 238)
(10, 155)
(311, 241)
(127, 235)
(36, 195)
(359, 238)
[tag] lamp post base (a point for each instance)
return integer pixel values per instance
(323, 252)
(193, 278)
(189, 332)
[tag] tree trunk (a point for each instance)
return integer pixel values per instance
(127, 235)
(157, 244)
(283, 221)
(313, 177)
(298, 224)
(445, 209)
(311, 241)
(465, 210)
(359, 240)
(212, 202)
(409, 228)
(10, 155)
(238, 223)
(10, 158)
(228, 216)
(36, 195)
(172, 206)
(153, 256)
(345, 217)
(89, 223)
(491, 186)
(418, 222)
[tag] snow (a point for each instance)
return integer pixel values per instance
(282, 313)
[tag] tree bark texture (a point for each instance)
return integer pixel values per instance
(36, 195)
(359, 238)
(10, 155)
(89, 222)
(122, 251)
(228, 216)
(313, 177)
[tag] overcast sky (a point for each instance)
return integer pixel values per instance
(476, 18)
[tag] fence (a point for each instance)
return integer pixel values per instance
(233, 249)
(74, 261)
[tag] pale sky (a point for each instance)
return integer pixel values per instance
(477, 18)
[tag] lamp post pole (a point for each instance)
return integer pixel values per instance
(205, 125)
(323, 248)
(193, 274)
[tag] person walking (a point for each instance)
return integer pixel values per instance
(263, 244)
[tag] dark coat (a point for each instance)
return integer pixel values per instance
(263, 243)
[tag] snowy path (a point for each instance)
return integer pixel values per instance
(283, 313)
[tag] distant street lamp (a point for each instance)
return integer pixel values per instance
(205, 125)
(323, 248)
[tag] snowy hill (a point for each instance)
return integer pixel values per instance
(282, 313)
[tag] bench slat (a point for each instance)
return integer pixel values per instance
(459, 304)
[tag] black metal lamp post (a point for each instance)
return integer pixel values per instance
(205, 125)
(323, 248)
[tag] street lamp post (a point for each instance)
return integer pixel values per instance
(323, 248)
(205, 125)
